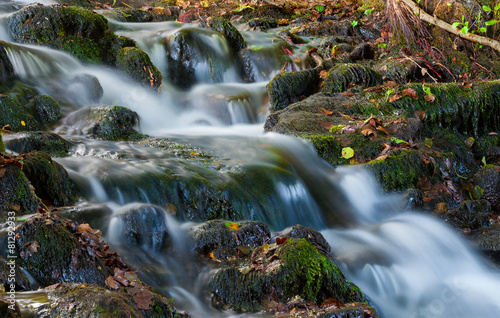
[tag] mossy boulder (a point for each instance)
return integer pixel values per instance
(138, 66)
(9, 270)
(341, 76)
(290, 87)
(106, 122)
(75, 30)
(309, 234)
(87, 300)
(294, 268)
(52, 254)
(470, 214)
(17, 193)
(49, 178)
(220, 239)
(488, 179)
(46, 109)
(233, 36)
(49, 143)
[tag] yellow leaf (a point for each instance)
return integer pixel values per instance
(347, 153)
(233, 226)
(23, 123)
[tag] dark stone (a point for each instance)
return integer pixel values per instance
(362, 51)
(6, 308)
(341, 76)
(263, 23)
(6, 68)
(49, 178)
(311, 235)
(215, 237)
(488, 178)
(144, 226)
(92, 89)
(287, 88)
(10, 267)
(52, 254)
(233, 36)
(50, 143)
(46, 109)
(471, 214)
(412, 199)
(17, 193)
(95, 215)
(137, 64)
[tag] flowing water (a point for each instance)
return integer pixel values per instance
(409, 264)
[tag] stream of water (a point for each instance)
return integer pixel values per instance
(409, 264)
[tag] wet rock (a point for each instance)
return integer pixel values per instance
(52, 254)
(339, 44)
(17, 193)
(219, 239)
(362, 51)
(46, 109)
(106, 122)
(412, 199)
(488, 179)
(86, 300)
(233, 36)
(311, 235)
(138, 66)
(49, 143)
(342, 75)
(287, 88)
(141, 225)
(9, 309)
(488, 241)
(401, 70)
(78, 31)
(6, 68)
(49, 178)
(471, 214)
(86, 85)
(263, 24)
(12, 276)
(279, 273)
(95, 215)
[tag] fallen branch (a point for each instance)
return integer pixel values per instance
(447, 27)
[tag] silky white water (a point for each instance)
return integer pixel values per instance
(409, 264)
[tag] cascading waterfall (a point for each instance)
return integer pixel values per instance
(409, 264)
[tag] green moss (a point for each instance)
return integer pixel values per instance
(233, 36)
(17, 191)
(342, 75)
(136, 63)
(287, 88)
(2, 146)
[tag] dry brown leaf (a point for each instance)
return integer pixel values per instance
(143, 298)
(84, 227)
(33, 246)
(391, 84)
(394, 98)
(349, 118)
(2, 172)
(382, 129)
(440, 207)
(112, 283)
(347, 93)
(368, 132)
(420, 114)
(381, 157)
(383, 68)
(410, 92)
(325, 124)
(324, 111)
(430, 98)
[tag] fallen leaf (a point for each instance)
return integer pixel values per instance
(368, 132)
(244, 250)
(323, 74)
(324, 111)
(349, 118)
(2, 172)
(347, 93)
(430, 98)
(245, 270)
(410, 92)
(383, 68)
(119, 277)
(440, 207)
(381, 157)
(420, 114)
(33, 246)
(382, 129)
(347, 153)
(233, 226)
(281, 240)
(394, 98)
(143, 298)
(391, 84)
(325, 124)
(469, 142)
(84, 227)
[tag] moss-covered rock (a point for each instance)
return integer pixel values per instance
(287, 88)
(488, 179)
(471, 214)
(17, 193)
(137, 64)
(219, 239)
(12, 275)
(341, 76)
(46, 109)
(106, 122)
(49, 143)
(86, 300)
(233, 36)
(52, 254)
(78, 31)
(294, 268)
(49, 178)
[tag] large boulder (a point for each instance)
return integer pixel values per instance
(278, 273)
(78, 31)
(49, 178)
(49, 143)
(287, 88)
(17, 193)
(137, 64)
(51, 253)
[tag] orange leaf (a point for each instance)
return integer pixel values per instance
(143, 298)
(368, 132)
(84, 227)
(323, 74)
(430, 98)
(325, 124)
(391, 84)
(112, 283)
(420, 114)
(394, 98)
(324, 111)
(349, 118)
(2, 172)
(347, 93)
(382, 129)
(233, 226)
(410, 92)
(440, 207)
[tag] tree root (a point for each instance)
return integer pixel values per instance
(447, 27)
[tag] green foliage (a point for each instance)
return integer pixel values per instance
(319, 8)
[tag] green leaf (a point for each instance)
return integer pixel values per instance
(482, 29)
(319, 8)
(336, 128)
(497, 7)
(491, 22)
(487, 9)
(368, 11)
(449, 4)
(464, 30)
(233, 226)
(477, 193)
(455, 25)
(347, 153)
(354, 23)
(243, 8)
(427, 90)
(396, 140)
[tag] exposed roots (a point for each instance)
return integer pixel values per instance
(404, 24)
